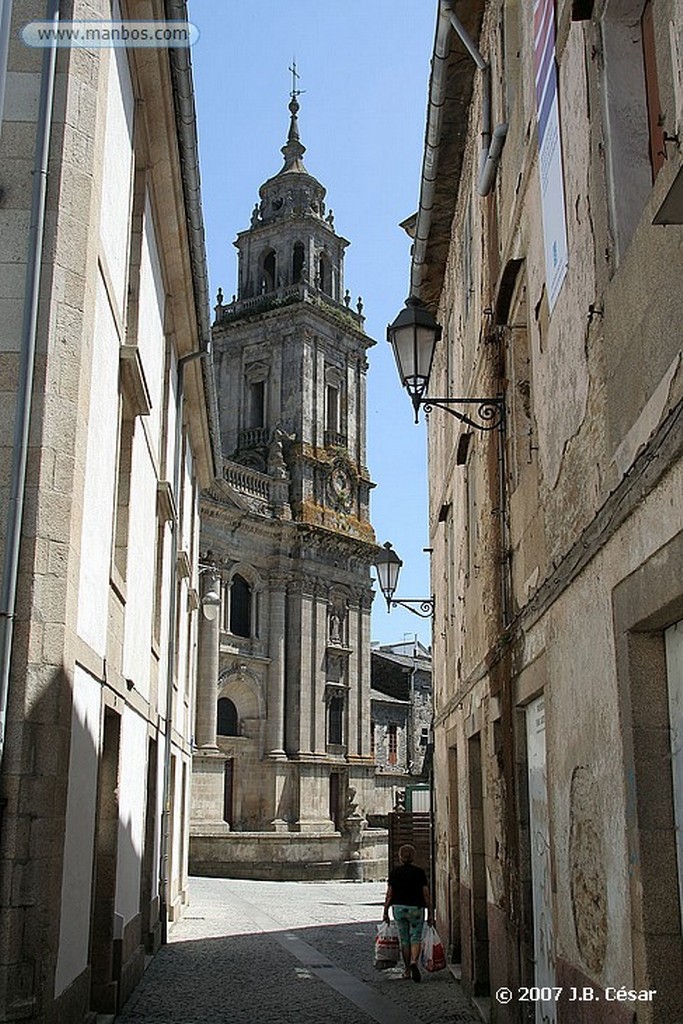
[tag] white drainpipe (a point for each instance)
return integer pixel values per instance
(22, 415)
(492, 144)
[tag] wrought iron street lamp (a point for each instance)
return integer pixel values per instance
(388, 566)
(413, 337)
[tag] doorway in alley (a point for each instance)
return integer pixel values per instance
(479, 916)
(104, 980)
(539, 829)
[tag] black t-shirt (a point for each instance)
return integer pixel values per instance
(407, 883)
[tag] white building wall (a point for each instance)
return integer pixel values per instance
(118, 176)
(141, 550)
(167, 583)
(146, 448)
(82, 625)
(171, 414)
(110, 305)
(100, 467)
(150, 335)
(81, 809)
(132, 776)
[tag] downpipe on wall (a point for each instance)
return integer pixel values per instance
(27, 359)
(492, 142)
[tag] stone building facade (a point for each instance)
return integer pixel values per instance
(401, 707)
(552, 258)
(283, 703)
(99, 635)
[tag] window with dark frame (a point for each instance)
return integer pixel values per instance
(227, 722)
(392, 733)
(332, 408)
(257, 404)
(335, 720)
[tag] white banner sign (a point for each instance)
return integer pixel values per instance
(550, 149)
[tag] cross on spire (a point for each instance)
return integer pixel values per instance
(295, 76)
(294, 150)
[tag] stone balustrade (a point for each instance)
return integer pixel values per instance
(247, 481)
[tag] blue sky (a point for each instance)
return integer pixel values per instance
(364, 67)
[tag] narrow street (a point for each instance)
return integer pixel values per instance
(285, 953)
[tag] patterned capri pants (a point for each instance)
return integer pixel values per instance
(410, 922)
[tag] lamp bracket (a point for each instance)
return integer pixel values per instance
(490, 411)
(422, 606)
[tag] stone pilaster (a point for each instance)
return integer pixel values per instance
(362, 657)
(354, 706)
(319, 668)
(300, 697)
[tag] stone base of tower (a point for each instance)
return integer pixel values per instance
(290, 819)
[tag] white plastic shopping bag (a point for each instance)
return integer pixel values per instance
(432, 957)
(386, 945)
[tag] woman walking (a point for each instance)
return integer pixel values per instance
(408, 893)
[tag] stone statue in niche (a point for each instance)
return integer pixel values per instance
(336, 623)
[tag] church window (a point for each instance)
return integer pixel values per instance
(332, 416)
(240, 607)
(298, 258)
(227, 718)
(257, 404)
(335, 720)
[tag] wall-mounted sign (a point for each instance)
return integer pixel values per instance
(550, 149)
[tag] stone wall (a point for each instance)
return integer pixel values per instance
(291, 857)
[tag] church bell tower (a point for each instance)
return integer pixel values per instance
(283, 693)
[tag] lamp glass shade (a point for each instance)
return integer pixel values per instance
(413, 336)
(211, 603)
(211, 594)
(388, 566)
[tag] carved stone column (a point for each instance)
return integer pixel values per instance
(276, 671)
(208, 643)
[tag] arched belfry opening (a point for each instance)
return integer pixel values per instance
(298, 260)
(325, 274)
(268, 272)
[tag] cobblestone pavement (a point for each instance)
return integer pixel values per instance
(285, 953)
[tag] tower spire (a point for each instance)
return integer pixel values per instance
(294, 150)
